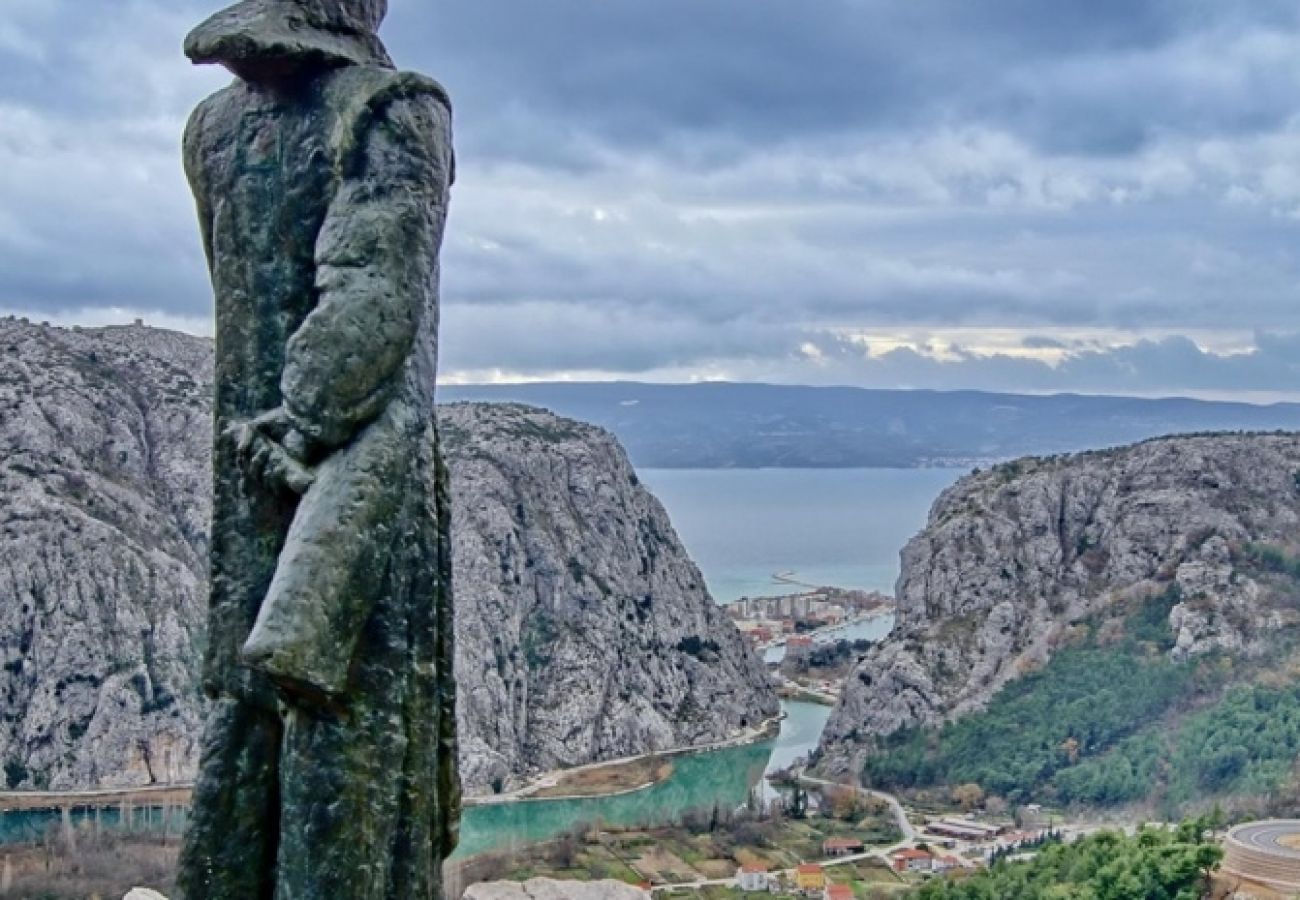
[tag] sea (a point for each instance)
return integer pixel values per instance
(841, 527)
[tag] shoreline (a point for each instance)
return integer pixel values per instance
(797, 693)
(179, 794)
(146, 795)
(861, 619)
(765, 730)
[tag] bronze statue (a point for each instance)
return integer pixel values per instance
(321, 176)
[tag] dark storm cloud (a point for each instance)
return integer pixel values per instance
(1088, 76)
(720, 188)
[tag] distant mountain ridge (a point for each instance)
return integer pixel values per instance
(726, 425)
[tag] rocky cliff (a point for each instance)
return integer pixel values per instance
(585, 631)
(1014, 557)
(104, 485)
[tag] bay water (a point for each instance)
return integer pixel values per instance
(840, 527)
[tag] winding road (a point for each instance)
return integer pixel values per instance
(900, 814)
(151, 795)
(1267, 836)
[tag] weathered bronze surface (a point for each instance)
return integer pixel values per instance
(321, 177)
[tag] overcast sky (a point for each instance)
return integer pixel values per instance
(1092, 195)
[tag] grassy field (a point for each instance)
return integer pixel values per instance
(104, 866)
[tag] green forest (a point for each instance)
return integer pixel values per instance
(1103, 725)
(1155, 864)
(1246, 743)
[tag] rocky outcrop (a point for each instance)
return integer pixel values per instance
(585, 632)
(104, 478)
(1012, 556)
(547, 889)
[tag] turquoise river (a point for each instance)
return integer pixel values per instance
(700, 780)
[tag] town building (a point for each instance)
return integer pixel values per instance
(810, 878)
(1019, 838)
(838, 892)
(909, 859)
(841, 846)
(753, 877)
(964, 829)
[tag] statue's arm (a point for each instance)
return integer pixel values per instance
(261, 442)
(192, 153)
(375, 257)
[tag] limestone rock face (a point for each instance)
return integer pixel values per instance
(1011, 556)
(583, 629)
(548, 889)
(104, 475)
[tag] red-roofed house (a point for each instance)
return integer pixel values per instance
(838, 892)
(841, 846)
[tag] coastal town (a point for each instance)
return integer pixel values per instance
(809, 639)
(818, 612)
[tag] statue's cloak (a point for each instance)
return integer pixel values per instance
(322, 210)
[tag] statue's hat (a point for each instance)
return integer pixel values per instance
(331, 32)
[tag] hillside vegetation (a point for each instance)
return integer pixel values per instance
(1155, 864)
(1112, 718)
(1112, 627)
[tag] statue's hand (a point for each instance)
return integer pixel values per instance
(275, 465)
(271, 450)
